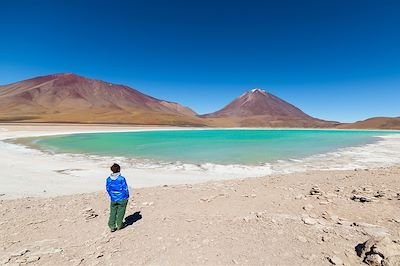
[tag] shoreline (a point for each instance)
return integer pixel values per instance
(57, 174)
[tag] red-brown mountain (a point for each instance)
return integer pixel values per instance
(375, 123)
(76, 99)
(261, 109)
(72, 98)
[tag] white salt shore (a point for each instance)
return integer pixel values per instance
(31, 172)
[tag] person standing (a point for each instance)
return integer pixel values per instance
(118, 191)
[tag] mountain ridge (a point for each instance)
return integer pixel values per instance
(67, 97)
(71, 98)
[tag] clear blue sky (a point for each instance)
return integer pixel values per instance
(335, 59)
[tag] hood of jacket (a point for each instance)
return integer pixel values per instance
(114, 176)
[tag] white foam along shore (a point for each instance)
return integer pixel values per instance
(32, 172)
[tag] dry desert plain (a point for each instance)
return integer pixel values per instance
(311, 218)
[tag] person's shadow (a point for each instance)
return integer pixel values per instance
(133, 218)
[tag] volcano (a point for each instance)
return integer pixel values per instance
(258, 108)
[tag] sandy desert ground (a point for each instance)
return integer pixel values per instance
(310, 218)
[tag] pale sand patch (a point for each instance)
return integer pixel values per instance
(255, 221)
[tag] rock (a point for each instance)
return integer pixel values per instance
(89, 214)
(298, 197)
(373, 259)
(32, 259)
(335, 260)
(20, 260)
(309, 221)
(2, 194)
(20, 253)
(308, 207)
(359, 198)
(380, 251)
(395, 220)
(302, 239)
(5, 261)
(247, 219)
(379, 194)
(372, 229)
(315, 191)
(309, 257)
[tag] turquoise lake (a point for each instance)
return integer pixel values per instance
(247, 147)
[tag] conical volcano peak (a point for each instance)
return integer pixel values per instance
(258, 102)
(258, 90)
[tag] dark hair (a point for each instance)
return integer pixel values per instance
(115, 168)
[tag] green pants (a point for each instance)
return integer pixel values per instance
(117, 213)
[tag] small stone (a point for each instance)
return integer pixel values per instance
(89, 214)
(309, 221)
(246, 219)
(21, 253)
(379, 194)
(302, 239)
(308, 207)
(373, 259)
(335, 260)
(32, 259)
(395, 220)
(20, 260)
(235, 261)
(315, 191)
(5, 261)
(323, 202)
(360, 198)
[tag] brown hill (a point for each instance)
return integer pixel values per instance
(258, 108)
(72, 98)
(375, 123)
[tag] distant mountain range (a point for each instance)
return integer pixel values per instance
(375, 123)
(70, 98)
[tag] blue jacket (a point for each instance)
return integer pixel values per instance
(117, 187)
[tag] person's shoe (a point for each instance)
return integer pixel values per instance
(122, 226)
(113, 230)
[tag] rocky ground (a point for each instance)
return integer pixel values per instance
(314, 218)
